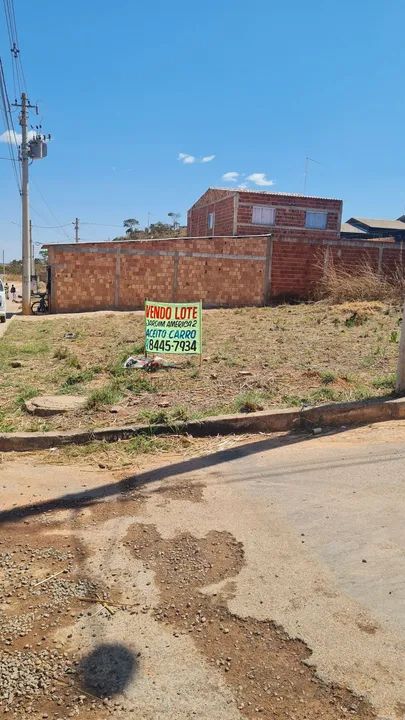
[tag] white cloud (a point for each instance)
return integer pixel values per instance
(14, 138)
(260, 179)
(230, 176)
(186, 159)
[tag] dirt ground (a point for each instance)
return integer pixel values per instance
(174, 589)
(253, 358)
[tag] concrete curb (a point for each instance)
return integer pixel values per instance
(356, 413)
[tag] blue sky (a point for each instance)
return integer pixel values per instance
(125, 87)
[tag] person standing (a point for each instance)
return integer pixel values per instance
(13, 292)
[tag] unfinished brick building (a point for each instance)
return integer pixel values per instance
(238, 212)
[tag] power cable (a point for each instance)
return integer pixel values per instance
(9, 123)
(18, 70)
(51, 212)
(101, 224)
(42, 227)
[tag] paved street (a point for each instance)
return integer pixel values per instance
(196, 556)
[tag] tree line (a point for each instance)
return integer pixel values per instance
(133, 231)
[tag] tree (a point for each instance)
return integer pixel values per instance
(175, 216)
(159, 230)
(130, 226)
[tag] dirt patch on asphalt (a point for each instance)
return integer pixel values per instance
(265, 669)
(190, 490)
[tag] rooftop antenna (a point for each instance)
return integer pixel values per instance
(306, 171)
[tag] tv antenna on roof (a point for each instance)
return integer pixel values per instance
(306, 171)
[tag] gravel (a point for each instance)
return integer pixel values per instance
(32, 605)
(26, 675)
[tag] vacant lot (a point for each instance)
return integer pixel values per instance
(253, 358)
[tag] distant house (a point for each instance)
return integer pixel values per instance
(370, 228)
(235, 212)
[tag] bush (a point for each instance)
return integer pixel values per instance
(339, 284)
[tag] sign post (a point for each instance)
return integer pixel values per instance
(173, 328)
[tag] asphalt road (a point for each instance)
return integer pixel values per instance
(320, 521)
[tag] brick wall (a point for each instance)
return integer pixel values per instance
(290, 215)
(225, 271)
(223, 209)
(233, 211)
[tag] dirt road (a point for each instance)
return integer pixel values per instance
(262, 579)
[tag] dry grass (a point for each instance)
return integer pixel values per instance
(309, 353)
(339, 284)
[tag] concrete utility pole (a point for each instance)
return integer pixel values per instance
(33, 149)
(26, 245)
(77, 230)
(400, 384)
(4, 267)
(32, 253)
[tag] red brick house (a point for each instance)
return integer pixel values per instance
(222, 212)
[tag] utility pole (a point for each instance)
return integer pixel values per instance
(34, 149)
(26, 245)
(400, 384)
(32, 254)
(4, 267)
(76, 224)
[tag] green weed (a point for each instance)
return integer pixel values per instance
(25, 394)
(248, 402)
(136, 383)
(73, 362)
(325, 394)
(327, 377)
(61, 353)
(179, 414)
(34, 348)
(156, 417)
(385, 382)
(107, 395)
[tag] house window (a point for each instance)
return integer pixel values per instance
(263, 215)
(211, 220)
(316, 220)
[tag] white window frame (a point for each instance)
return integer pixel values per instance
(319, 219)
(211, 220)
(263, 215)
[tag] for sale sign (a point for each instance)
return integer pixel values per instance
(173, 328)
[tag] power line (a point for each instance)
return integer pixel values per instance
(9, 123)
(102, 225)
(51, 212)
(43, 227)
(51, 227)
(18, 70)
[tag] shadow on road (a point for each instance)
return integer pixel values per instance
(204, 462)
(107, 670)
